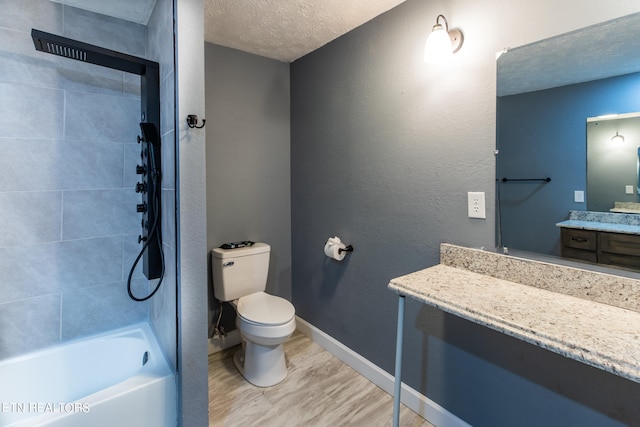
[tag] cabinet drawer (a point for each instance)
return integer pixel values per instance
(623, 244)
(579, 239)
(619, 260)
(579, 254)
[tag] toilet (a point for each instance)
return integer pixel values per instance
(264, 321)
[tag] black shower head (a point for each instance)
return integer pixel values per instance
(73, 49)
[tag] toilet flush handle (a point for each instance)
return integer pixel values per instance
(228, 264)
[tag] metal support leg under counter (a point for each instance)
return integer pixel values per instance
(398, 372)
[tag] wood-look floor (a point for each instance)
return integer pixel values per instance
(319, 391)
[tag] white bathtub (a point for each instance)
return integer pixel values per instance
(117, 379)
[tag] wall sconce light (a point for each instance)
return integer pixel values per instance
(617, 138)
(442, 43)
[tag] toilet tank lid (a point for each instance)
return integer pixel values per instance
(256, 248)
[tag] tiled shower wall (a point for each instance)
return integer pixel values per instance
(160, 48)
(68, 224)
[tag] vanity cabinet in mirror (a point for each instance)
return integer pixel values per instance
(546, 92)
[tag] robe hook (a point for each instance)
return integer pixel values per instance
(192, 121)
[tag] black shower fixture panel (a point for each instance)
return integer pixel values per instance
(149, 170)
(149, 188)
(150, 177)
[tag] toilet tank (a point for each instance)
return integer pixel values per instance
(239, 272)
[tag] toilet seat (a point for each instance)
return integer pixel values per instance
(263, 309)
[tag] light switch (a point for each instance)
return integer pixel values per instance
(628, 189)
(578, 196)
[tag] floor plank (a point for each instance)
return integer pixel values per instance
(319, 391)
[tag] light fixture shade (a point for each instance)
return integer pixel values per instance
(438, 46)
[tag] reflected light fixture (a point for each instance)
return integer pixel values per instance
(617, 138)
(442, 43)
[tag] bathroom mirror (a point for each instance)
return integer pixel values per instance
(546, 92)
(612, 163)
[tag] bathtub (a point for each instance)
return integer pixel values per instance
(117, 379)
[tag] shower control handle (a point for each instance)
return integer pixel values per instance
(141, 187)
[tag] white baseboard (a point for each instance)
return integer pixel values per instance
(217, 344)
(421, 405)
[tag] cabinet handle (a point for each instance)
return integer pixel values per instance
(579, 239)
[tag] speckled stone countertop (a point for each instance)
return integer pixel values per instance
(596, 333)
(626, 223)
(601, 226)
(626, 207)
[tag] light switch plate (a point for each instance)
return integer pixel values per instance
(475, 205)
(628, 189)
(578, 196)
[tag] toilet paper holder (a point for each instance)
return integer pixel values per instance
(348, 248)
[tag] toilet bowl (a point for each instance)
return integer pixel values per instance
(264, 321)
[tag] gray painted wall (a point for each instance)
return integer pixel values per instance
(248, 158)
(384, 149)
(68, 224)
(192, 217)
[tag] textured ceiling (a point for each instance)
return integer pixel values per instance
(286, 29)
(279, 29)
(137, 11)
(608, 49)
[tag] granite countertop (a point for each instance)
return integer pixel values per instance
(626, 207)
(600, 226)
(625, 223)
(600, 335)
(624, 210)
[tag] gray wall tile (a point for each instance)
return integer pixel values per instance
(22, 63)
(100, 30)
(88, 262)
(104, 307)
(26, 14)
(30, 217)
(132, 85)
(160, 38)
(88, 213)
(45, 164)
(30, 112)
(131, 159)
(163, 308)
(101, 117)
(48, 268)
(30, 164)
(169, 218)
(92, 164)
(26, 272)
(28, 324)
(167, 113)
(168, 166)
(131, 250)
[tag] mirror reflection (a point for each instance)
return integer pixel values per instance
(612, 163)
(552, 96)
